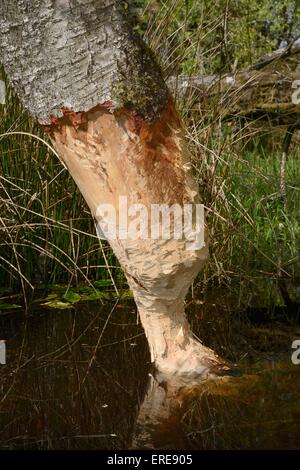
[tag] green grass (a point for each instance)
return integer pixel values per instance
(46, 232)
(259, 242)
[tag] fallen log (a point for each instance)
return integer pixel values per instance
(266, 91)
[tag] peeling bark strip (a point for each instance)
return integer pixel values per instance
(83, 73)
(76, 54)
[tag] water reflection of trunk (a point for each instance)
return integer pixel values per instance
(158, 422)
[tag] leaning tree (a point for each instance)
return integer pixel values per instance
(84, 74)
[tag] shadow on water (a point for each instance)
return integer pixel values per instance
(81, 379)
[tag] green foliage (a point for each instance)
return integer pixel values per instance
(8, 306)
(203, 37)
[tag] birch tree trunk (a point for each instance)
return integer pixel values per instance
(84, 74)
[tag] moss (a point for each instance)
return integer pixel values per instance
(140, 84)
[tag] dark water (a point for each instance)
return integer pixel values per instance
(81, 379)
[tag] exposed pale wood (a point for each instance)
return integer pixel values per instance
(109, 157)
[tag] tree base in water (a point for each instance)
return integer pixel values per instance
(194, 360)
